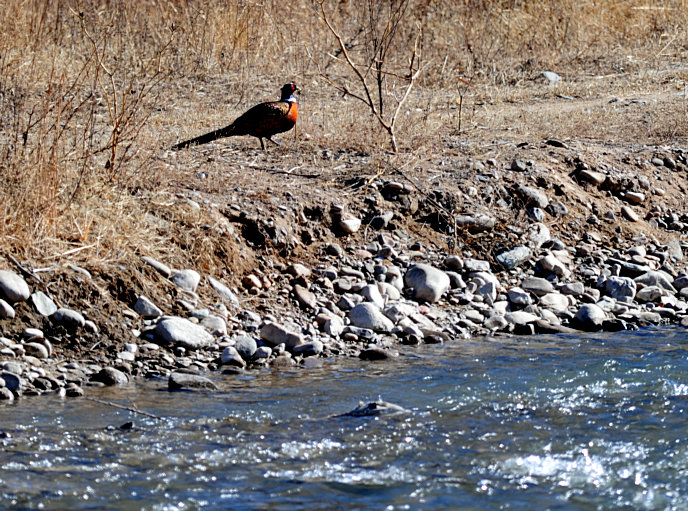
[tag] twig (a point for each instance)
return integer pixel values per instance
(122, 407)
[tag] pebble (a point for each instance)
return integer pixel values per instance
(246, 346)
(186, 280)
(514, 257)
(43, 303)
(6, 310)
(147, 308)
(161, 268)
(69, 318)
(182, 332)
(426, 282)
(368, 315)
(223, 291)
(13, 287)
(179, 380)
(110, 376)
(274, 334)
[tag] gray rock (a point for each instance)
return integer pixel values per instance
(230, 356)
(650, 294)
(629, 214)
(263, 352)
(375, 353)
(350, 224)
(533, 197)
(455, 263)
(69, 318)
(13, 367)
(572, 288)
(273, 334)
(620, 288)
(553, 265)
(13, 287)
(596, 178)
(182, 332)
(475, 223)
(518, 165)
(186, 280)
(246, 346)
(12, 381)
(223, 291)
(537, 285)
(161, 268)
(43, 303)
(657, 278)
(555, 302)
(216, 325)
(496, 322)
(514, 257)
(298, 270)
(590, 317)
(368, 315)
(551, 77)
(36, 349)
(333, 326)
(146, 308)
(309, 349)
(186, 381)
(681, 282)
(538, 235)
(488, 292)
(6, 310)
(305, 297)
(110, 376)
(372, 294)
(519, 297)
(520, 317)
(426, 282)
(474, 265)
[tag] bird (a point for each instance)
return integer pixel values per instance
(262, 121)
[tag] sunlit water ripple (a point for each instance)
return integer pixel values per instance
(593, 422)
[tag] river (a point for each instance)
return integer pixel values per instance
(590, 422)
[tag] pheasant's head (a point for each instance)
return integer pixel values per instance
(288, 91)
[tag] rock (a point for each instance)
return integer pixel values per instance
(650, 294)
(374, 409)
(6, 394)
(283, 361)
(555, 302)
(538, 235)
(186, 381)
(635, 197)
(214, 324)
(13, 287)
(590, 317)
(333, 326)
(350, 224)
(246, 346)
(476, 265)
(372, 294)
(514, 257)
(305, 297)
(230, 356)
(110, 376)
(68, 318)
(537, 285)
(475, 223)
(551, 77)
(273, 334)
(186, 280)
(36, 349)
(426, 282)
(223, 291)
(12, 381)
(375, 353)
(620, 288)
(182, 332)
(43, 303)
(596, 178)
(146, 308)
(161, 268)
(572, 288)
(551, 264)
(657, 278)
(520, 317)
(629, 214)
(309, 349)
(519, 297)
(532, 197)
(518, 165)
(368, 315)
(6, 310)
(381, 221)
(455, 263)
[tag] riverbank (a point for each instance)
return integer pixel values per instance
(334, 260)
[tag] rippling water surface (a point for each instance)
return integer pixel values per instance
(590, 422)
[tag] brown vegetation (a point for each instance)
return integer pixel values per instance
(92, 94)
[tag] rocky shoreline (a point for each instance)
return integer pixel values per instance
(367, 287)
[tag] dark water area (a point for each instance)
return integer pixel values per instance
(559, 422)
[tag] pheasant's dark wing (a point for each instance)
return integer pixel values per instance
(265, 119)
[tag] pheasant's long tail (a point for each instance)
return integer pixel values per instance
(208, 137)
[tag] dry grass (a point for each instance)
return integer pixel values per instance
(92, 93)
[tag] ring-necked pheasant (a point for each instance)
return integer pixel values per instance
(261, 121)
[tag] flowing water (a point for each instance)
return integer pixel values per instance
(561, 422)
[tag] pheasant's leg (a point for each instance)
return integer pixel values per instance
(274, 141)
(262, 145)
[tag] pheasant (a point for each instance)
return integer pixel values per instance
(261, 121)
